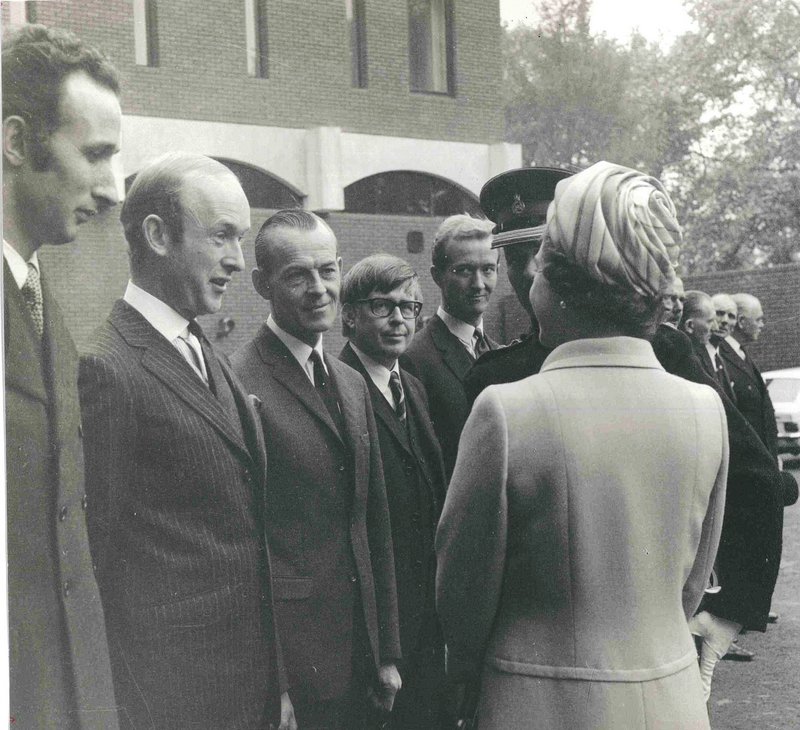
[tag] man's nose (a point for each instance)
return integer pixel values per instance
(104, 190)
(396, 316)
(316, 286)
(234, 259)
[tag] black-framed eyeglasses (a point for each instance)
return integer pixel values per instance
(467, 271)
(381, 307)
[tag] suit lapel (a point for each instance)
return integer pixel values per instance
(734, 361)
(286, 370)
(383, 411)
(22, 348)
(454, 353)
(705, 359)
(61, 362)
(164, 362)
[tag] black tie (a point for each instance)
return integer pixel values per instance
(397, 393)
(326, 390)
(481, 345)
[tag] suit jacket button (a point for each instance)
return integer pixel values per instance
(354, 579)
(67, 586)
(62, 514)
(84, 502)
(341, 467)
(94, 566)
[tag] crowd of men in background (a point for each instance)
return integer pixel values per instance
(250, 543)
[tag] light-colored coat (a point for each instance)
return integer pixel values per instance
(577, 536)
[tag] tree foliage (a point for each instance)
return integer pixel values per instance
(717, 116)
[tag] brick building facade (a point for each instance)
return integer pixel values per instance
(270, 84)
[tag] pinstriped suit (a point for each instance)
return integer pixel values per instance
(178, 489)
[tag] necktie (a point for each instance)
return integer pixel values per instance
(326, 389)
(481, 345)
(189, 346)
(397, 393)
(32, 293)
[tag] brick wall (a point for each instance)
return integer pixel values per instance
(90, 274)
(202, 66)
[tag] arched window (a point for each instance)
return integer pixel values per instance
(262, 189)
(403, 192)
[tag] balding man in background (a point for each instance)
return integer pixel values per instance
(697, 321)
(752, 398)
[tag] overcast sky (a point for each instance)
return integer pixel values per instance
(655, 19)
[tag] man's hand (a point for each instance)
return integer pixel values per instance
(288, 721)
(389, 684)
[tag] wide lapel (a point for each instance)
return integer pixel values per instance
(20, 339)
(735, 362)
(383, 411)
(705, 359)
(164, 362)
(61, 360)
(454, 353)
(286, 370)
(417, 411)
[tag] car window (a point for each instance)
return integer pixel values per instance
(783, 390)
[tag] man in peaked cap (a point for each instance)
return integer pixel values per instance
(517, 202)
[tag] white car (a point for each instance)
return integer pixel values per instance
(784, 391)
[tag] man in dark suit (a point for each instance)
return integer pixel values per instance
(697, 322)
(380, 304)
(175, 469)
(517, 202)
(327, 515)
(752, 398)
(465, 270)
(61, 127)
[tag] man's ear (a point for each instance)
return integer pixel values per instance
(436, 275)
(261, 283)
(15, 146)
(349, 315)
(688, 325)
(156, 234)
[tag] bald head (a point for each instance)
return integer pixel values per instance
(726, 311)
(750, 318)
(699, 316)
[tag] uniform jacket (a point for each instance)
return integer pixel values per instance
(327, 519)
(752, 398)
(558, 558)
(505, 365)
(415, 485)
(60, 673)
(441, 362)
(750, 549)
(177, 484)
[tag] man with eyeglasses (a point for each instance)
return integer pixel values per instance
(464, 267)
(380, 303)
(326, 516)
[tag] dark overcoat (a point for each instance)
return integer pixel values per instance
(176, 476)
(441, 362)
(60, 673)
(327, 519)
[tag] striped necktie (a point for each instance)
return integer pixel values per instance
(397, 393)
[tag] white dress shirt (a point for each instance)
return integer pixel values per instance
(167, 322)
(17, 264)
(465, 333)
(300, 350)
(380, 374)
(737, 348)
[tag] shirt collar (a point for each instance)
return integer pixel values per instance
(17, 264)
(299, 349)
(711, 350)
(460, 329)
(736, 345)
(380, 374)
(164, 318)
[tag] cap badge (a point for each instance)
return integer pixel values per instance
(517, 207)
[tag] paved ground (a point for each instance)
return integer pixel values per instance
(765, 694)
